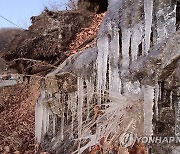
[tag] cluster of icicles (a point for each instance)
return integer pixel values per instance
(107, 90)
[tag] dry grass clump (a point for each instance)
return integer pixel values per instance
(102, 133)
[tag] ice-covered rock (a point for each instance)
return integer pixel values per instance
(136, 60)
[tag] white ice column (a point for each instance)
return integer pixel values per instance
(126, 35)
(114, 74)
(102, 62)
(148, 10)
(80, 105)
(148, 109)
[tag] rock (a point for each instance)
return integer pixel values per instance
(98, 6)
(156, 61)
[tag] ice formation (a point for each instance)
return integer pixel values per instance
(117, 49)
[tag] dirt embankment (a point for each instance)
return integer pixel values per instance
(46, 40)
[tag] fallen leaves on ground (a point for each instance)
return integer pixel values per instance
(87, 33)
(17, 117)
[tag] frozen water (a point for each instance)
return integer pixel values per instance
(39, 117)
(148, 9)
(80, 105)
(148, 109)
(116, 52)
(102, 63)
(114, 75)
(126, 36)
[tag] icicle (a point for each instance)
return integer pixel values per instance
(39, 117)
(137, 36)
(148, 109)
(54, 125)
(38, 123)
(46, 114)
(114, 81)
(102, 62)
(156, 98)
(148, 9)
(90, 94)
(69, 107)
(44, 119)
(62, 116)
(80, 106)
(114, 76)
(73, 107)
(126, 35)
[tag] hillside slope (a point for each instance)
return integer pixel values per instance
(51, 39)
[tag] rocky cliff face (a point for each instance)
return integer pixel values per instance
(97, 6)
(130, 79)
